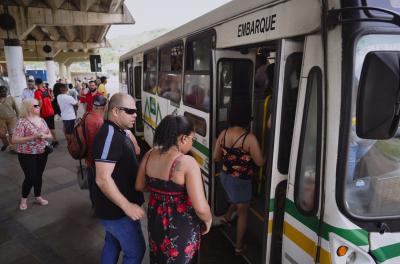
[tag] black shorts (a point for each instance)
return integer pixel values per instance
(69, 126)
(50, 122)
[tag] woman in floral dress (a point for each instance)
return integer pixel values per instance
(178, 212)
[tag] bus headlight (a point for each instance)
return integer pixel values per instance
(345, 252)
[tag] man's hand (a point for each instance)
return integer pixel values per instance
(134, 211)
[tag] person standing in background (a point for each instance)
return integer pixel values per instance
(8, 117)
(93, 121)
(43, 96)
(29, 92)
(88, 98)
(67, 104)
(102, 86)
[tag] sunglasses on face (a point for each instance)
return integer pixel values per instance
(129, 111)
(36, 106)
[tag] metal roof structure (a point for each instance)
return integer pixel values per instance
(71, 28)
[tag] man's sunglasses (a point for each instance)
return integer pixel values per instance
(129, 111)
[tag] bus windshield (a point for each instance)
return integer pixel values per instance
(373, 166)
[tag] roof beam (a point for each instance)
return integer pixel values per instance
(54, 4)
(85, 4)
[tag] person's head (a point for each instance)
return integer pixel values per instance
(3, 91)
(29, 107)
(175, 131)
(99, 104)
(92, 86)
(98, 81)
(63, 88)
(39, 82)
(122, 110)
(70, 86)
(103, 79)
(31, 84)
(84, 85)
(240, 116)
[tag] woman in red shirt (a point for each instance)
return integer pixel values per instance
(31, 135)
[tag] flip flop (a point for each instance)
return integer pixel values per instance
(225, 221)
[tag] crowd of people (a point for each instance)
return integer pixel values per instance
(178, 211)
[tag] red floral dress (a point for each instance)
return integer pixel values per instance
(173, 226)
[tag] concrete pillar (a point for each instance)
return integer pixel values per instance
(51, 71)
(15, 67)
(68, 74)
(63, 70)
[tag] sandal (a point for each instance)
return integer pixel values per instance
(41, 201)
(239, 250)
(225, 221)
(23, 205)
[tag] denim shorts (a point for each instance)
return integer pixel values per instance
(238, 190)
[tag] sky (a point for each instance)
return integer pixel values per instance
(153, 14)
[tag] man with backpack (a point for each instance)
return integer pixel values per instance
(93, 121)
(44, 97)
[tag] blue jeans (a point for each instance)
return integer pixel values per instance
(125, 234)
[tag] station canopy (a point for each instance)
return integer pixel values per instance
(59, 29)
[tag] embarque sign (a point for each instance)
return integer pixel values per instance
(287, 19)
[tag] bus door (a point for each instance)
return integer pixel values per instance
(233, 87)
(136, 72)
(283, 102)
(300, 227)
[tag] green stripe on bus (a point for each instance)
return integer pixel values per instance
(271, 205)
(384, 253)
(203, 149)
(358, 237)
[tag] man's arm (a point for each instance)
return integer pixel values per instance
(110, 189)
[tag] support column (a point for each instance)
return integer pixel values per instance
(51, 71)
(15, 67)
(63, 71)
(69, 73)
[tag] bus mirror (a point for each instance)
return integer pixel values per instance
(378, 101)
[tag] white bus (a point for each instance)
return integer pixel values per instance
(326, 73)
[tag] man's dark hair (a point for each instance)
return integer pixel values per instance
(63, 87)
(38, 81)
(169, 129)
(92, 82)
(103, 79)
(70, 86)
(3, 89)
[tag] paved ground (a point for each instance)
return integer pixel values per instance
(66, 230)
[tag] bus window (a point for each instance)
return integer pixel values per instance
(199, 123)
(372, 180)
(170, 76)
(289, 102)
(139, 118)
(234, 81)
(307, 171)
(130, 77)
(150, 72)
(196, 91)
(138, 82)
(198, 54)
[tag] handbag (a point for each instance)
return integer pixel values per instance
(48, 149)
